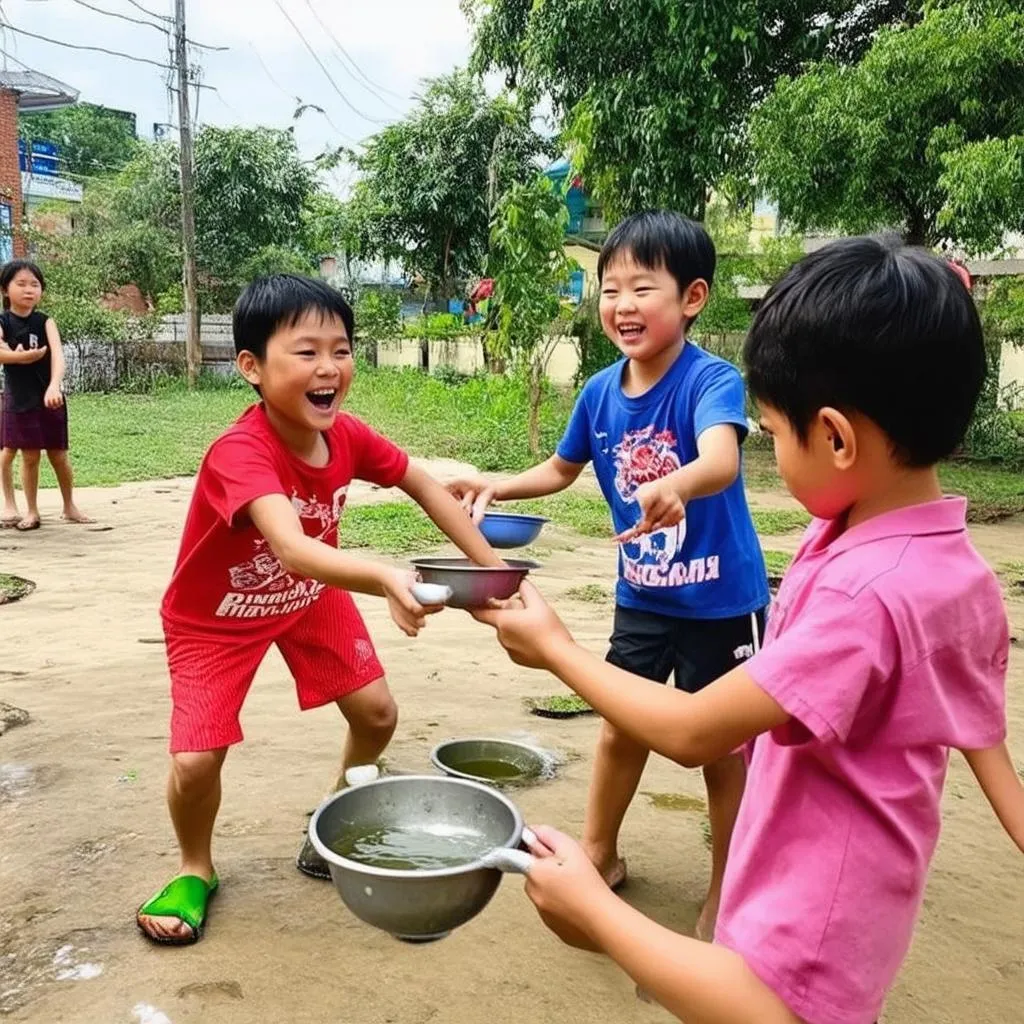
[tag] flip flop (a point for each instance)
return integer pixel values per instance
(186, 898)
(22, 528)
(310, 863)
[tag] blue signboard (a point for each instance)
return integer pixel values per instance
(45, 159)
(6, 241)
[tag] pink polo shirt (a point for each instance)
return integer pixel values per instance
(888, 646)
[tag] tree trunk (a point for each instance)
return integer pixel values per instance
(536, 379)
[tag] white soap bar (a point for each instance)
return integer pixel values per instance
(362, 773)
(431, 593)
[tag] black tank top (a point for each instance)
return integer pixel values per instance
(25, 384)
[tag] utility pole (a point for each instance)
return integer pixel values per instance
(193, 345)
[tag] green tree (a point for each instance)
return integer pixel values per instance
(93, 140)
(252, 188)
(259, 209)
(983, 184)
(653, 97)
(529, 266)
(916, 136)
(429, 182)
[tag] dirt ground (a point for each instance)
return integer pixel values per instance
(84, 835)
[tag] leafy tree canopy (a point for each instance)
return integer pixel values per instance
(924, 134)
(653, 97)
(431, 181)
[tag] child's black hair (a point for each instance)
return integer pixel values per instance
(282, 300)
(13, 267)
(659, 239)
(877, 327)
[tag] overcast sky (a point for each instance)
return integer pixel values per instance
(394, 43)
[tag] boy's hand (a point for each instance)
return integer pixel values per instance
(409, 615)
(474, 493)
(527, 628)
(53, 399)
(564, 887)
(661, 506)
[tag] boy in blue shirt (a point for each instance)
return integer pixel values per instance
(663, 428)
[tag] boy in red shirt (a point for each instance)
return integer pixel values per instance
(259, 564)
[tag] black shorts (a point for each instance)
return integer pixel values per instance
(696, 651)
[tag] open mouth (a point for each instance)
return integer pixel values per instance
(322, 398)
(630, 332)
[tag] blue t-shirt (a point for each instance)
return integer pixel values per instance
(710, 566)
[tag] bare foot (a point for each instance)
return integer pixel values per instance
(73, 515)
(10, 517)
(705, 927)
(30, 522)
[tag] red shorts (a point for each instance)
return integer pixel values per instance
(327, 648)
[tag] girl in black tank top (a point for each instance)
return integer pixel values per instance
(33, 416)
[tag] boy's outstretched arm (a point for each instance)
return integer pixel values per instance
(662, 502)
(1002, 786)
(549, 477)
(445, 511)
(691, 729)
(698, 982)
(275, 518)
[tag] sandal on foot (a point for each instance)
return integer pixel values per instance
(309, 862)
(28, 523)
(185, 898)
(9, 522)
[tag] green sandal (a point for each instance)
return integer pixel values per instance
(185, 898)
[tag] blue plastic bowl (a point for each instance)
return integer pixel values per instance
(511, 529)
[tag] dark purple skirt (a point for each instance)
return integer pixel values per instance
(36, 430)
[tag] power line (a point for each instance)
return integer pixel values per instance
(78, 46)
(367, 82)
(323, 68)
(123, 17)
(138, 20)
(152, 14)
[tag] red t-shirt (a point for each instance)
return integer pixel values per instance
(227, 579)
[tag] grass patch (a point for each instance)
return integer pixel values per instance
(590, 593)
(992, 493)
(392, 528)
(771, 522)
(705, 831)
(117, 438)
(13, 588)
(559, 705)
(583, 513)
(1012, 574)
(777, 562)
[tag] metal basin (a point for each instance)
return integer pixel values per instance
(418, 906)
(473, 586)
(495, 762)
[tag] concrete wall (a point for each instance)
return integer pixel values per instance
(465, 355)
(1011, 374)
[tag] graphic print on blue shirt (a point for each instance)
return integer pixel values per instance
(710, 566)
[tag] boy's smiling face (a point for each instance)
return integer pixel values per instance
(305, 373)
(642, 309)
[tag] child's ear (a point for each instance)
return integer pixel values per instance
(842, 437)
(249, 367)
(695, 297)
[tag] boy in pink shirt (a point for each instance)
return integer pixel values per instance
(886, 648)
